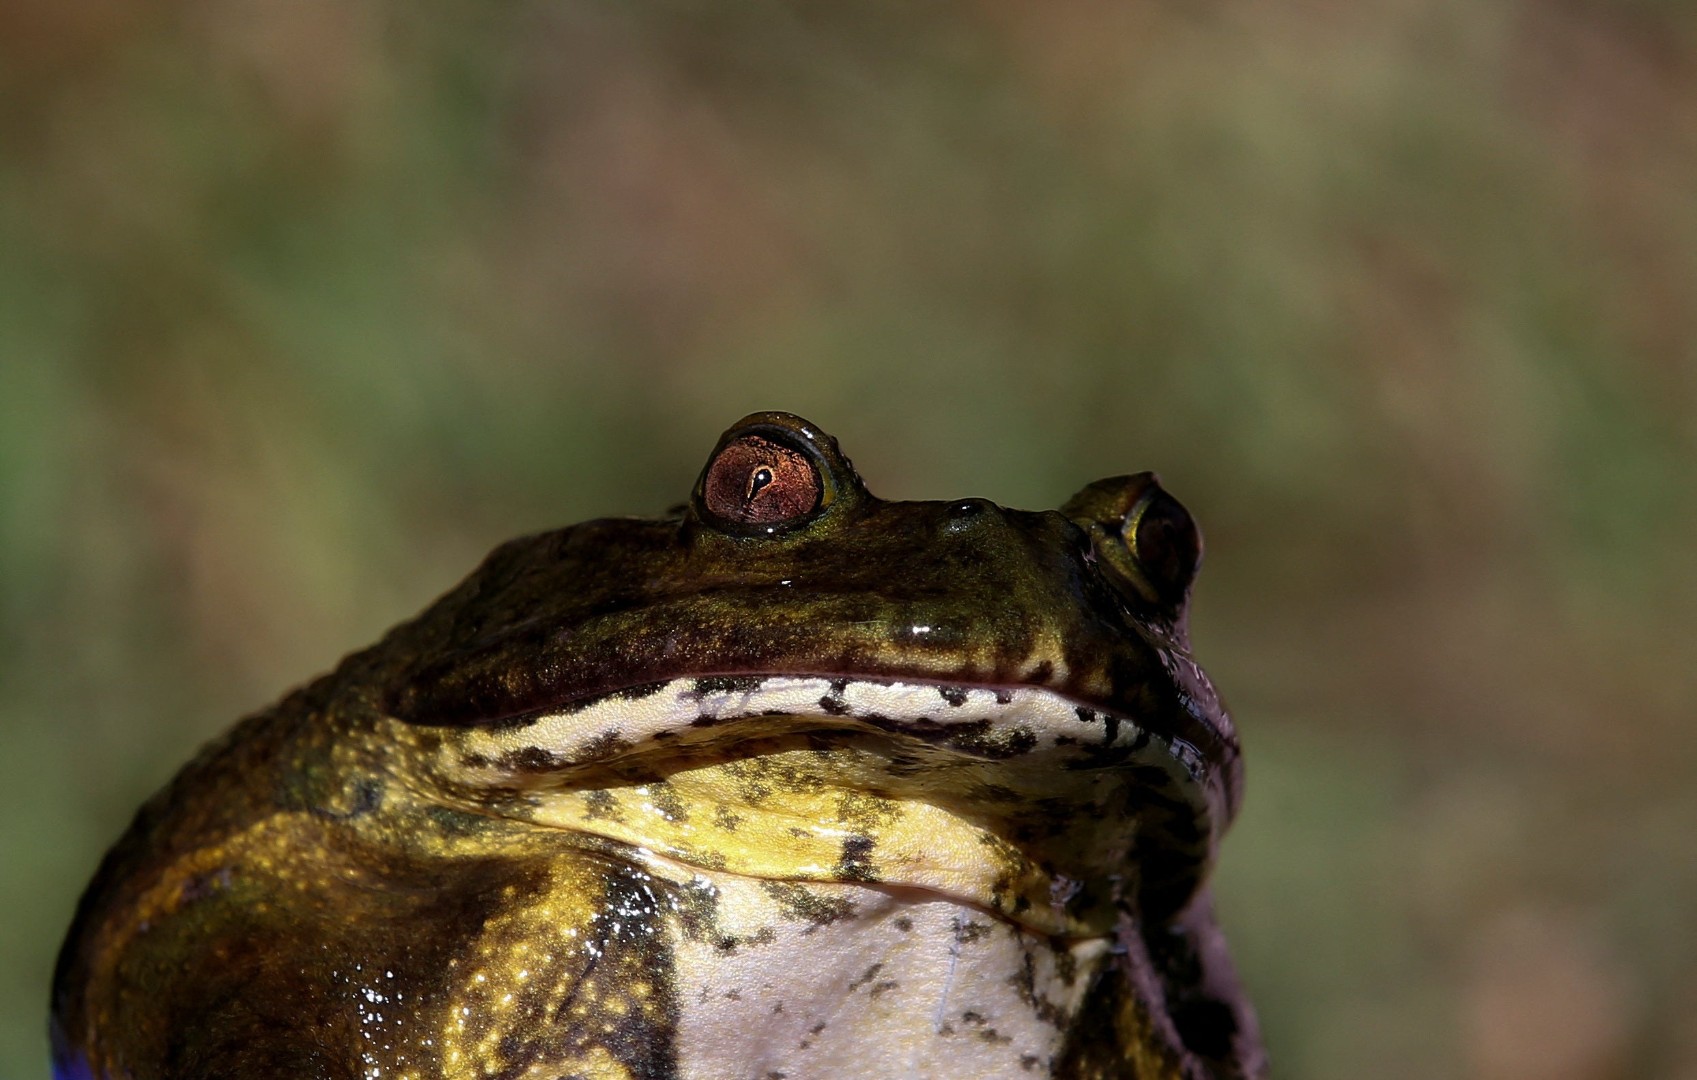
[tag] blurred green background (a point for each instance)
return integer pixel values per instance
(305, 305)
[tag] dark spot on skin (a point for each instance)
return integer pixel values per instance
(797, 901)
(1004, 697)
(811, 1033)
(987, 741)
(968, 932)
(696, 904)
(528, 759)
(733, 995)
(1024, 983)
(834, 705)
(867, 976)
(1066, 967)
(904, 924)
(856, 861)
(1028, 1062)
(1112, 725)
(667, 802)
(1089, 716)
(605, 745)
(728, 684)
(976, 1019)
(368, 796)
(954, 695)
(881, 988)
(1041, 673)
(724, 818)
(601, 806)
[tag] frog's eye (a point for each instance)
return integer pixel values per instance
(1168, 546)
(756, 481)
(1143, 537)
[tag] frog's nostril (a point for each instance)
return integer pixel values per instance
(966, 513)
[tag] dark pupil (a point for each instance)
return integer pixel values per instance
(761, 477)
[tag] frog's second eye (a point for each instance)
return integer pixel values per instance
(756, 481)
(1168, 546)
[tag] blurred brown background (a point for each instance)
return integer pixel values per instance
(305, 305)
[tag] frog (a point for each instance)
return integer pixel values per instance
(790, 781)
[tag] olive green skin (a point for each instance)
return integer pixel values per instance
(314, 845)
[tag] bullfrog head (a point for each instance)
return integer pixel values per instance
(793, 781)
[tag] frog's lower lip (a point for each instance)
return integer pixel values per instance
(1001, 797)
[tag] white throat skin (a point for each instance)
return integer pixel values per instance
(861, 982)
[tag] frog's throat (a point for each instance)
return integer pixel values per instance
(1052, 814)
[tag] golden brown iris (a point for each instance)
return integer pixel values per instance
(756, 481)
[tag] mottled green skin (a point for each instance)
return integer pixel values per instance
(310, 898)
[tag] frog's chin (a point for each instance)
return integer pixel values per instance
(1052, 813)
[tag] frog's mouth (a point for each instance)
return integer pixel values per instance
(1053, 814)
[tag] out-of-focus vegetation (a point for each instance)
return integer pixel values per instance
(304, 305)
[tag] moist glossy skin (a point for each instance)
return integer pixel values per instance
(796, 782)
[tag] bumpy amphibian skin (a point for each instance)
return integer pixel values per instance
(793, 783)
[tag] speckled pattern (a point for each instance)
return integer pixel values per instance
(814, 786)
